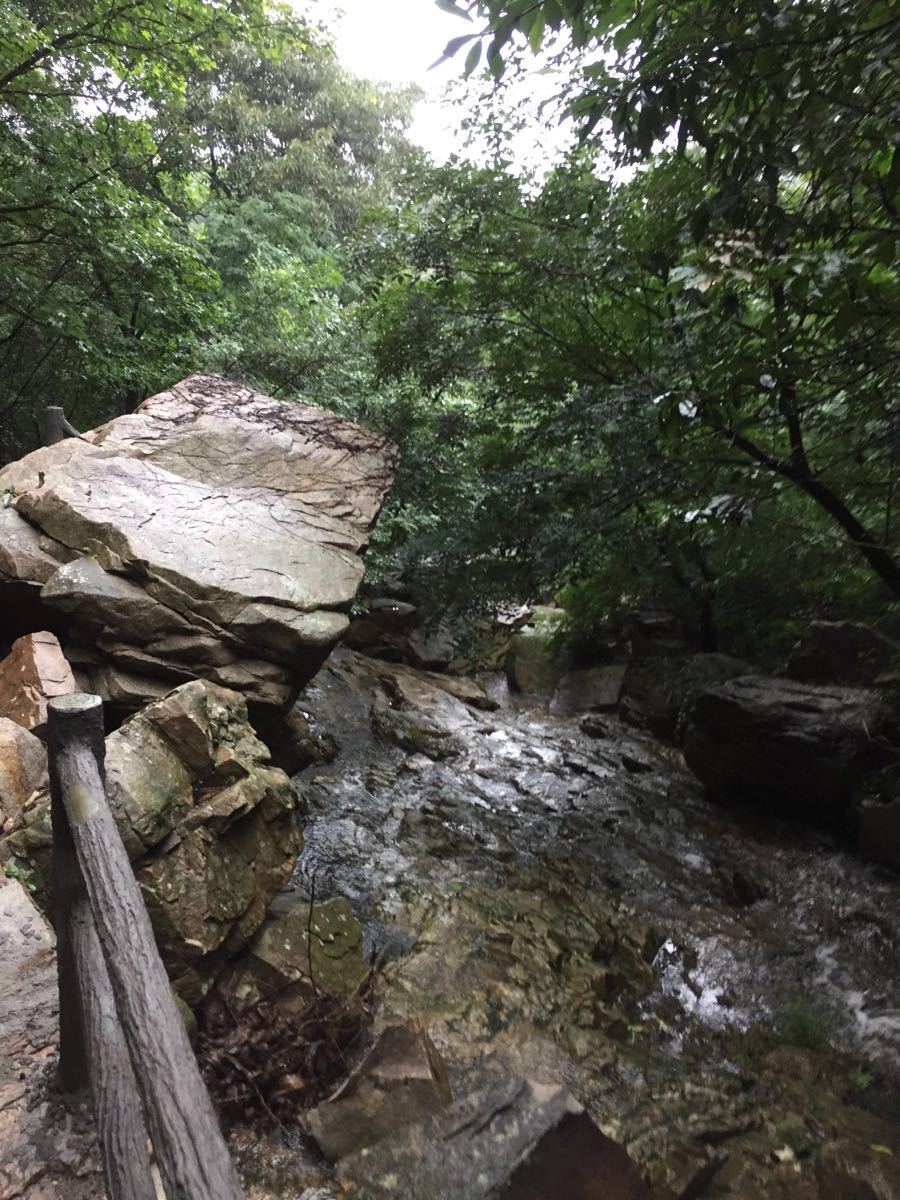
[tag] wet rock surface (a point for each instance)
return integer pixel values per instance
(795, 747)
(568, 906)
(561, 911)
(215, 533)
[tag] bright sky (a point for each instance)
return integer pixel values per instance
(396, 41)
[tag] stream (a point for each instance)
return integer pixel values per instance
(719, 989)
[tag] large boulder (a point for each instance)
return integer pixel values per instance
(657, 690)
(215, 533)
(653, 632)
(207, 822)
(595, 689)
(24, 554)
(534, 662)
(842, 652)
(784, 745)
(384, 630)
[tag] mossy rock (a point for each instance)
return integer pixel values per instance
(535, 662)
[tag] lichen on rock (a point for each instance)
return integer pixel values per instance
(208, 822)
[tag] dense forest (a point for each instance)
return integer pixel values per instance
(664, 368)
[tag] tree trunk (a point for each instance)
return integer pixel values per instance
(876, 555)
(55, 428)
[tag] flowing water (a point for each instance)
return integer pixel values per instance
(719, 989)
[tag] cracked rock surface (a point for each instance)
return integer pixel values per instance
(215, 533)
(47, 1150)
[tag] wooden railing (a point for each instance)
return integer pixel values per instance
(121, 1032)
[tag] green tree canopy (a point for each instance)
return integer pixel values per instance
(174, 183)
(770, 283)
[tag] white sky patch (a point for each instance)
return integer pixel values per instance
(396, 41)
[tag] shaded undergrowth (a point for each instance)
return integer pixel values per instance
(263, 1065)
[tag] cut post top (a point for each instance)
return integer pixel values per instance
(75, 702)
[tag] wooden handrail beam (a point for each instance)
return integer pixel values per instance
(92, 1048)
(193, 1159)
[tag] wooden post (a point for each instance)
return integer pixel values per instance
(117, 1105)
(55, 428)
(68, 890)
(92, 1047)
(193, 1159)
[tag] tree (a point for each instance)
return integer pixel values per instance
(296, 152)
(541, 319)
(780, 281)
(99, 275)
(174, 183)
(293, 121)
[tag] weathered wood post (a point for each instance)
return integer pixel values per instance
(68, 890)
(193, 1159)
(91, 1046)
(54, 426)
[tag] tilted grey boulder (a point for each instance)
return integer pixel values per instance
(23, 552)
(792, 747)
(214, 533)
(596, 689)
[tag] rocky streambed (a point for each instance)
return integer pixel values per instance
(510, 926)
(554, 898)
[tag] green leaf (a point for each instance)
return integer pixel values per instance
(495, 59)
(536, 36)
(553, 14)
(622, 39)
(453, 47)
(451, 6)
(473, 58)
